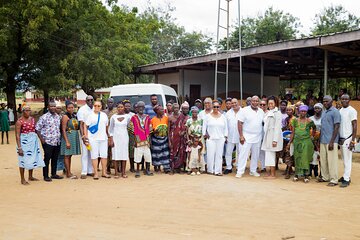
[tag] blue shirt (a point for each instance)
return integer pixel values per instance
(149, 111)
(329, 118)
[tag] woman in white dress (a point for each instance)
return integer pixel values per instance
(119, 139)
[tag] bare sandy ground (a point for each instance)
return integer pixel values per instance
(174, 207)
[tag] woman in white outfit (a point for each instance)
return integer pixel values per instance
(215, 132)
(96, 135)
(119, 139)
(272, 141)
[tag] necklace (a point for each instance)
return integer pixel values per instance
(302, 125)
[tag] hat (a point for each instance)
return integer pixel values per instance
(198, 100)
(219, 99)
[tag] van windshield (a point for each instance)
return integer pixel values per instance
(135, 98)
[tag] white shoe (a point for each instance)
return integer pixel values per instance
(198, 173)
(238, 175)
(193, 174)
(255, 174)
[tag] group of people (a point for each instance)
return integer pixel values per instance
(195, 140)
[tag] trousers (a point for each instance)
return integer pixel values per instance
(86, 163)
(51, 153)
(244, 154)
(215, 148)
(228, 153)
(329, 162)
(346, 155)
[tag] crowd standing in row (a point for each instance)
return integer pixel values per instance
(193, 140)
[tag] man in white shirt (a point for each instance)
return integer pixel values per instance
(250, 125)
(233, 140)
(348, 128)
(82, 114)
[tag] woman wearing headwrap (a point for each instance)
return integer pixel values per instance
(289, 152)
(28, 147)
(303, 145)
(177, 137)
(159, 140)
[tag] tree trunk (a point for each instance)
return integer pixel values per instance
(10, 93)
(46, 99)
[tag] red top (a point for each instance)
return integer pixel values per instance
(27, 127)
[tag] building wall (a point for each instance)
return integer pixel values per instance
(251, 83)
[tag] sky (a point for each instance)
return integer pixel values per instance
(201, 15)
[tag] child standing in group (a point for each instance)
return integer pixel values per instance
(194, 156)
(315, 162)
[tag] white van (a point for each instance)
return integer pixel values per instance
(142, 92)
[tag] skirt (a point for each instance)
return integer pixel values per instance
(160, 153)
(32, 156)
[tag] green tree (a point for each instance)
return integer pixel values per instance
(172, 41)
(334, 19)
(273, 25)
(70, 43)
(24, 25)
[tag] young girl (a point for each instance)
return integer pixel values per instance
(194, 156)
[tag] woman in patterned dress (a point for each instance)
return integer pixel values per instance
(70, 142)
(28, 147)
(303, 145)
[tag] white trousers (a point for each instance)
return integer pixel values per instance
(262, 159)
(270, 158)
(215, 148)
(228, 154)
(347, 158)
(86, 163)
(244, 154)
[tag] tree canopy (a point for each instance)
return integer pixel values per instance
(273, 25)
(171, 41)
(334, 19)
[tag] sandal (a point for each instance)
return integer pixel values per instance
(124, 176)
(116, 176)
(105, 176)
(218, 174)
(295, 179)
(287, 176)
(83, 176)
(96, 178)
(306, 180)
(73, 177)
(331, 184)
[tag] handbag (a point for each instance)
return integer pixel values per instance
(95, 128)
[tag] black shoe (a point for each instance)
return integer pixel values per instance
(227, 171)
(47, 179)
(342, 180)
(345, 184)
(56, 177)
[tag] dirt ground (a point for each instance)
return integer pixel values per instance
(174, 207)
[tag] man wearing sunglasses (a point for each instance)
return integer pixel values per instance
(82, 114)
